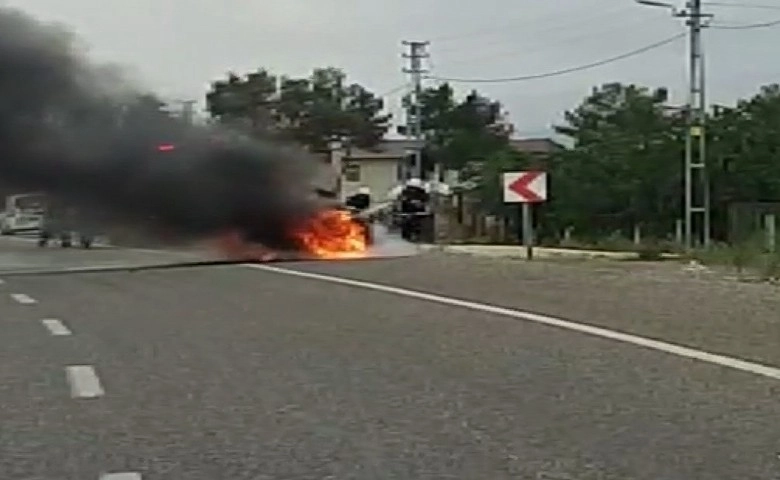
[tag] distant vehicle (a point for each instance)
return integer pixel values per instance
(411, 209)
(67, 224)
(22, 213)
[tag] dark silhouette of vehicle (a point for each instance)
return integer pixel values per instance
(66, 224)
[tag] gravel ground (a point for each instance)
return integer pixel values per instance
(658, 300)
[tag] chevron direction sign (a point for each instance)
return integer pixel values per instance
(525, 187)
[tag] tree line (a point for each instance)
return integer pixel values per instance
(624, 166)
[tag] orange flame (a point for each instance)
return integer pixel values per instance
(333, 234)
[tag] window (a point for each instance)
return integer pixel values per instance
(352, 172)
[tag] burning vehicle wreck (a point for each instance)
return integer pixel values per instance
(331, 234)
(333, 231)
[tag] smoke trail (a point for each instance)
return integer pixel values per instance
(65, 129)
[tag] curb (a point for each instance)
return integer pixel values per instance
(516, 252)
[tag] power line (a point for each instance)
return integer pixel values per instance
(749, 26)
(633, 27)
(393, 90)
(742, 5)
(564, 71)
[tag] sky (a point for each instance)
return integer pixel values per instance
(177, 47)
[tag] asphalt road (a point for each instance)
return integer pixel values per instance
(245, 373)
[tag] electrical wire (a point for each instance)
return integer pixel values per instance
(742, 5)
(542, 31)
(394, 90)
(632, 27)
(750, 26)
(564, 71)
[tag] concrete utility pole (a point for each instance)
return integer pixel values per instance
(697, 188)
(188, 111)
(413, 114)
(182, 109)
(185, 110)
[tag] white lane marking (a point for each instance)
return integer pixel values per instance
(56, 327)
(23, 299)
(678, 350)
(121, 476)
(84, 382)
(2, 282)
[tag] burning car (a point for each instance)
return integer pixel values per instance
(335, 233)
(338, 231)
(331, 234)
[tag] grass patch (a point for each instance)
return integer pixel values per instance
(649, 250)
(749, 259)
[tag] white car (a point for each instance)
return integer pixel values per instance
(20, 221)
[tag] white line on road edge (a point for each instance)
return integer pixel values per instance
(56, 327)
(121, 476)
(23, 299)
(84, 382)
(678, 350)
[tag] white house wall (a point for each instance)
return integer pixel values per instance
(380, 175)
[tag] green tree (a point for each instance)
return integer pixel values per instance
(470, 136)
(625, 167)
(243, 101)
(744, 154)
(312, 110)
(460, 132)
(744, 148)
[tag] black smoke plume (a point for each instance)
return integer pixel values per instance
(65, 129)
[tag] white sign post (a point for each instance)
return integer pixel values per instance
(525, 188)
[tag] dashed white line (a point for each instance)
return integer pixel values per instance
(84, 382)
(56, 327)
(23, 299)
(670, 348)
(121, 476)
